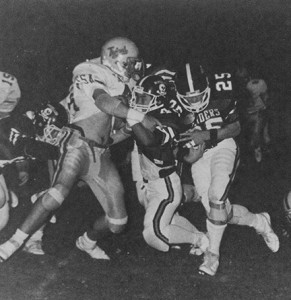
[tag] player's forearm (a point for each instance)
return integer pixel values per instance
(143, 135)
(229, 131)
(115, 107)
(110, 105)
(121, 135)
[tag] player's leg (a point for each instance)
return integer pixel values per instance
(70, 165)
(223, 165)
(4, 204)
(162, 226)
(260, 222)
(105, 182)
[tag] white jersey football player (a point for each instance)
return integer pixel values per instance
(216, 125)
(9, 94)
(9, 98)
(92, 103)
(163, 226)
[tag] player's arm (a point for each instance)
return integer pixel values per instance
(121, 134)
(213, 135)
(143, 135)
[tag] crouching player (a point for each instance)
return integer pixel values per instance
(163, 226)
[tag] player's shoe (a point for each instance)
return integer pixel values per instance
(94, 251)
(7, 249)
(33, 247)
(210, 264)
(201, 246)
(266, 231)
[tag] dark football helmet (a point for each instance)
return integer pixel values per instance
(48, 121)
(149, 94)
(192, 87)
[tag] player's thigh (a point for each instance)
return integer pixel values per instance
(70, 166)
(163, 198)
(105, 182)
(224, 164)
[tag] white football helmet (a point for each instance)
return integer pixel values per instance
(121, 55)
(193, 87)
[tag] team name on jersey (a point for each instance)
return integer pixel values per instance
(205, 115)
(85, 79)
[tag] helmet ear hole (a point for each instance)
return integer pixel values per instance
(193, 87)
(121, 55)
(149, 94)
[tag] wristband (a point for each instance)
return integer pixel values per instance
(134, 117)
(213, 137)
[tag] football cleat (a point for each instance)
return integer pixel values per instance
(201, 246)
(33, 247)
(268, 234)
(210, 264)
(95, 252)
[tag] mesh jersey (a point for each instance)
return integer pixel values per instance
(154, 159)
(222, 107)
(87, 77)
(9, 94)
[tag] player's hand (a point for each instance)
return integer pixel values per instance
(195, 153)
(197, 136)
(150, 122)
(23, 177)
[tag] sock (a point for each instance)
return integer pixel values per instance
(215, 233)
(87, 242)
(19, 236)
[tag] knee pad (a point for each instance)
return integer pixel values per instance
(220, 212)
(52, 199)
(116, 225)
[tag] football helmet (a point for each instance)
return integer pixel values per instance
(149, 94)
(49, 121)
(121, 55)
(192, 87)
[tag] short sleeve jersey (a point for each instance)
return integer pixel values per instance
(87, 77)
(222, 107)
(9, 94)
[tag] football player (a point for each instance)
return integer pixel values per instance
(157, 148)
(256, 114)
(216, 125)
(9, 98)
(92, 104)
(23, 145)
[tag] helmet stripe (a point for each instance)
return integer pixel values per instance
(189, 78)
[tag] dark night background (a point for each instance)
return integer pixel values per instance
(40, 43)
(42, 40)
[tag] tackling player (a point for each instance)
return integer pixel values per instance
(216, 125)
(157, 148)
(92, 104)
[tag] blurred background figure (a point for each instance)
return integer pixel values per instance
(254, 111)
